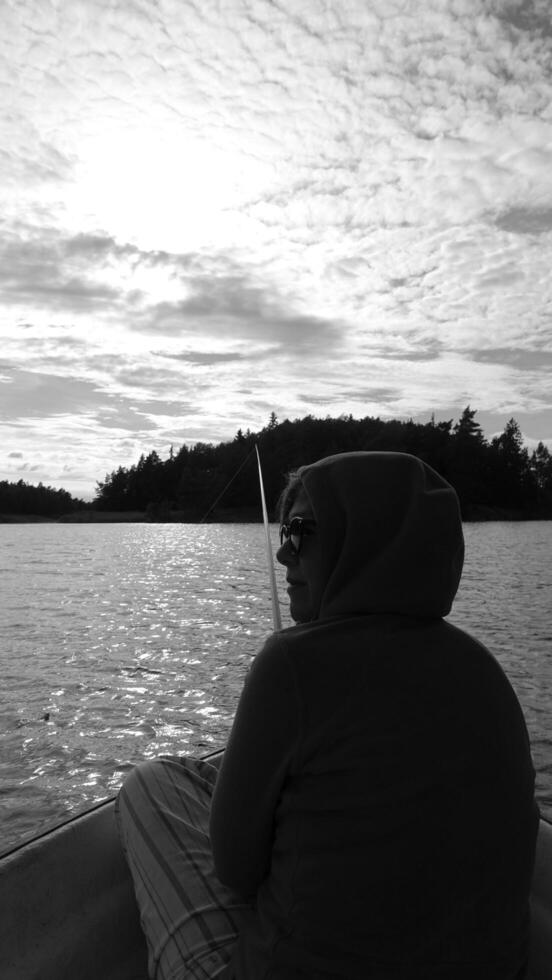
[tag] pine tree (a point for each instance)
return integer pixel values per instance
(467, 427)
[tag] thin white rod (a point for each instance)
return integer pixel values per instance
(276, 619)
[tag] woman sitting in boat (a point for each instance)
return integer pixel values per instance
(374, 813)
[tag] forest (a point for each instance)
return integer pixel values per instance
(25, 500)
(496, 479)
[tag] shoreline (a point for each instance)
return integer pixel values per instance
(248, 515)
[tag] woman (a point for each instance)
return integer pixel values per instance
(374, 813)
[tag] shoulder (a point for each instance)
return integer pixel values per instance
(467, 645)
(272, 666)
(285, 642)
(472, 669)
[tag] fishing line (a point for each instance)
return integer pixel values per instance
(230, 481)
(276, 618)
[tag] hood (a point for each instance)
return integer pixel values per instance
(392, 535)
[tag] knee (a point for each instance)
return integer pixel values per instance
(144, 771)
(136, 782)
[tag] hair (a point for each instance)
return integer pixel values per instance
(288, 495)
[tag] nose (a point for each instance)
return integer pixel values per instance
(285, 555)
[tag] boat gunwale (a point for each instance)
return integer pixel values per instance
(4, 855)
(40, 932)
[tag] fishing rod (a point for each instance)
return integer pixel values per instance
(276, 619)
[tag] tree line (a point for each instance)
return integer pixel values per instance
(496, 478)
(493, 479)
(37, 501)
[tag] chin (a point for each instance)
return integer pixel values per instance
(299, 614)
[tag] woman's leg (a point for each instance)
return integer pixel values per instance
(190, 919)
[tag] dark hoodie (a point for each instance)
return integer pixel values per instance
(376, 798)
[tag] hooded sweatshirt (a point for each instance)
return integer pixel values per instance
(375, 802)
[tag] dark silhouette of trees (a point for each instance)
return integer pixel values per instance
(468, 462)
(467, 428)
(496, 479)
(541, 468)
(24, 499)
(511, 470)
(493, 479)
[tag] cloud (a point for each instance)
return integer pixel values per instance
(523, 360)
(34, 273)
(221, 300)
(526, 15)
(15, 455)
(209, 358)
(526, 221)
(86, 275)
(34, 395)
(421, 352)
(232, 307)
(105, 249)
(368, 396)
(42, 395)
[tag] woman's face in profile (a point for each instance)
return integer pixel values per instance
(302, 567)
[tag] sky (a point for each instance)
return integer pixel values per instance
(212, 210)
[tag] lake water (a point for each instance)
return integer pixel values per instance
(125, 641)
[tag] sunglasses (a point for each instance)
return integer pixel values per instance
(294, 531)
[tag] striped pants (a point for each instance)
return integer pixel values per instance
(191, 921)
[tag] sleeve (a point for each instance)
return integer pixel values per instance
(256, 761)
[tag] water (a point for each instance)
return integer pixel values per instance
(122, 642)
